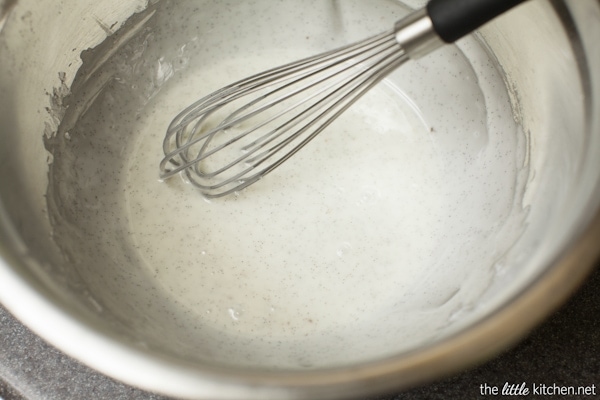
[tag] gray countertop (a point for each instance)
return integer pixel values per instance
(565, 351)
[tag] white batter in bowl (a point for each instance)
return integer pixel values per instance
(378, 237)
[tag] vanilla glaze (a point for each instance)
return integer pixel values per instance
(380, 236)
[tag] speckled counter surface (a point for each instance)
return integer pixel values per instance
(565, 350)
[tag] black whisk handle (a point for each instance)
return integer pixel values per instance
(453, 19)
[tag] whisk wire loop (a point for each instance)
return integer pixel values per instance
(230, 139)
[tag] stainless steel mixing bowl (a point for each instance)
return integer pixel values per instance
(550, 59)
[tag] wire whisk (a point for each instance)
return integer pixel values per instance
(235, 136)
